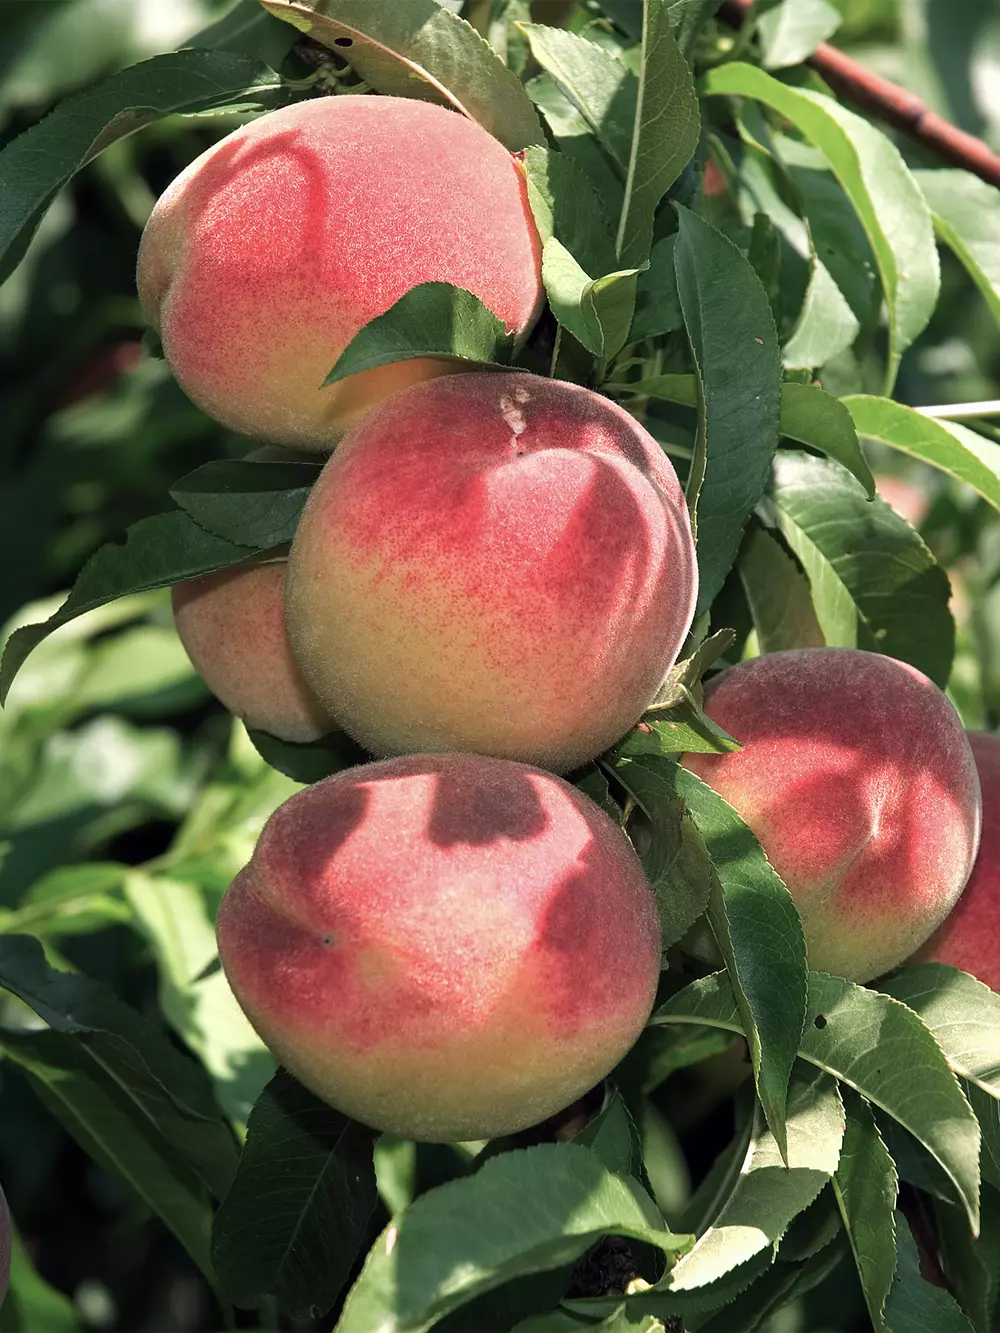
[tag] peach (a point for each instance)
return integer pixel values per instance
(232, 625)
(5, 1246)
(970, 937)
(448, 947)
(268, 253)
(858, 780)
(492, 562)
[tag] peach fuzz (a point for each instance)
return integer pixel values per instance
(492, 562)
(232, 626)
(858, 780)
(267, 254)
(448, 947)
(5, 1246)
(970, 938)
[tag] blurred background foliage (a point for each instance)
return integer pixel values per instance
(118, 774)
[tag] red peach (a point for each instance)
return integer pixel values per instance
(492, 562)
(970, 937)
(268, 253)
(858, 780)
(232, 625)
(448, 947)
(5, 1246)
(910, 500)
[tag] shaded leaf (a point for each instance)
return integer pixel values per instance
(777, 594)
(598, 311)
(420, 49)
(877, 1046)
(566, 204)
(251, 504)
(875, 584)
(916, 1305)
(866, 1186)
(963, 1014)
(298, 1212)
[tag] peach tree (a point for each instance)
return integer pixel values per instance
(675, 212)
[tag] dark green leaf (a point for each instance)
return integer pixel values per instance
(759, 932)
(657, 305)
(963, 1014)
(777, 594)
(523, 1212)
(875, 584)
(251, 504)
(31, 1305)
(420, 49)
(664, 136)
(815, 418)
(298, 1212)
(157, 551)
(566, 205)
(433, 319)
(309, 761)
(916, 1305)
(866, 1186)
(39, 162)
(735, 348)
(676, 861)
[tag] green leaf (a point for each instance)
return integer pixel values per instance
(297, 1215)
(157, 551)
(763, 1198)
(676, 861)
(946, 445)
(759, 931)
(657, 304)
(523, 1212)
(877, 1046)
(196, 1001)
(777, 594)
(594, 81)
(810, 416)
(420, 49)
(613, 1138)
(792, 30)
(576, 141)
(31, 1305)
(251, 504)
(70, 900)
(866, 1186)
(565, 204)
(735, 348)
(966, 213)
(597, 312)
(878, 183)
(433, 319)
(963, 1014)
(165, 1089)
(875, 584)
(687, 18)
(39, 162)
(98, 1111)
(664, 135)
(916, 1305)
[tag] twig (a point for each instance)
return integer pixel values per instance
(959, 411)
(893, 104)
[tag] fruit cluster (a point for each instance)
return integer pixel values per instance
(489, 583)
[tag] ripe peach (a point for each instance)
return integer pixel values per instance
(970, 937)
(268, 253)
(232, 625)
(448, 947)
(5, 1246)
(856, 776)
(492, 562)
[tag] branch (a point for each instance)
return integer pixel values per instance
(897, 107)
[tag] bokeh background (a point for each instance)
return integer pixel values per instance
(110, 744)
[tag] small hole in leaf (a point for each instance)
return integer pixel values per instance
(343, 41)
(819, 1021)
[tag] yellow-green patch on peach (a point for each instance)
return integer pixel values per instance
(857, 778)
(448, 947)
(492, 562)
(265, 257)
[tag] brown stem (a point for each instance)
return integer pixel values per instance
(902, 109)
